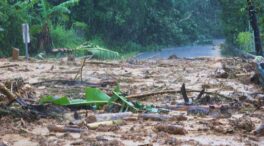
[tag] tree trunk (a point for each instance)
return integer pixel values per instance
(44, 40)
(254, 25)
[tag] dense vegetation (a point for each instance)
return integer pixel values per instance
(124, 25)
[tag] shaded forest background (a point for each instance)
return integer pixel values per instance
(125, 25)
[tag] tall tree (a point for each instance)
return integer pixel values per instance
(254, 25)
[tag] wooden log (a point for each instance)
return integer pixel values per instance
(15, 54)
(160, 117)
(11, 97)
(112, 116)
(59, 128)
(10, 65)
(105, 123)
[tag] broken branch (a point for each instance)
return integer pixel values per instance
(174, 92)
(184, 94)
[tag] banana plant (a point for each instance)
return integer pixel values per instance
(44, 13)
(47, 12)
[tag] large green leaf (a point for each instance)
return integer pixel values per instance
(64, 101)
(94, 94)
(55, 100)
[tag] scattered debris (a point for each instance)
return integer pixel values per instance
(171, 129)
(124, 103)
(259, 131)
(243, 123)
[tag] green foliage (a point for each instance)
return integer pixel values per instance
(122, 25)
(234, 19)
(95, 97)
(65, 38)
(55, 100)
(10, 27)
(236, 22)
(65, 101)
(245, 41)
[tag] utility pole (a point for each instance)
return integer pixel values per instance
(254, 24)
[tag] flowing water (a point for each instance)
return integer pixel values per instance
(189, 51)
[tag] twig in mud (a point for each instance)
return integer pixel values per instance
(184, 94)
(101, 62)
(81, 69)
(11, 65)
(63, 72)
(200, 94)
(72, 82)
(182, 107)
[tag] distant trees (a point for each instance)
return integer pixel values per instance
(136, 23)
(127, 25)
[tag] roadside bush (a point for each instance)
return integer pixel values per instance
(245, 41)
(63, 38)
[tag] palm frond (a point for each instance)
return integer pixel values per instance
(25, 4)
(98, 52)
(43, 8)
(63, 7)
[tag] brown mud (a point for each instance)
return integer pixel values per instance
(231, 77)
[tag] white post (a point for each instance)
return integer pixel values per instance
(26, 38)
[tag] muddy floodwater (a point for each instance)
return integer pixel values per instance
(230, 77)
(189, 51)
